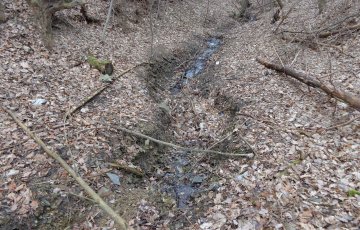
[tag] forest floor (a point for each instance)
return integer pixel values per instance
(305, 172)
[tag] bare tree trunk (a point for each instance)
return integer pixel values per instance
(244, 4)
(279, 2)
(107, 20)
(122, 15)
(2, 13)
(151, 28)
(44, 11)
(321, 5)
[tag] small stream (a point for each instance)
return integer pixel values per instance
(180, 181)
(199, 65)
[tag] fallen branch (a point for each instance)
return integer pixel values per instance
(312, 44)
(250, 155)
(86, 100)
(97, 199)
(286, 15)
(98, 91)
(343, 124)
(320, 31)
(330, 33)
(352, 100)
(129, 169)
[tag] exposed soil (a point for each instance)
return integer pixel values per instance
(305, 173)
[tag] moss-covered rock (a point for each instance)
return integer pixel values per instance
(104, 66)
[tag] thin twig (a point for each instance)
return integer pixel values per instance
(98, 91)
(127, 168)
(82, 197)
(248, 144)
(282, 63)
(223, 139)
(325, 28)
(107, 20)
(250, 155)
(343, 124)
(97, 199)
(151, 28)
(330, 33)
(285, 17)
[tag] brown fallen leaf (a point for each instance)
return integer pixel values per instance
(34, 204)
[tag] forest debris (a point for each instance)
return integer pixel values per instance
(249, 155)
(99, 90)
(119, 220)
(352, 100)
(343, 124)
(127, 168)
(330, 33)
(320, 32)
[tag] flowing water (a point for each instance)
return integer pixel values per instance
(180, 181)
(199, 64)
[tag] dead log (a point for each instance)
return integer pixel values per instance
(351, 99)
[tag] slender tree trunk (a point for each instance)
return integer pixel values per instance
(279, 2)
(151, 28)
(2, 13)
(321, 5)
(244, 4)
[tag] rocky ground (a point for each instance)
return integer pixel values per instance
(305, 173)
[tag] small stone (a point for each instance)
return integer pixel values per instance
(84, 110)
(115, 179)
(197, 180)
(104, 192)
(26, 49)
(39, 101)
(24, 65)
(12, 172)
